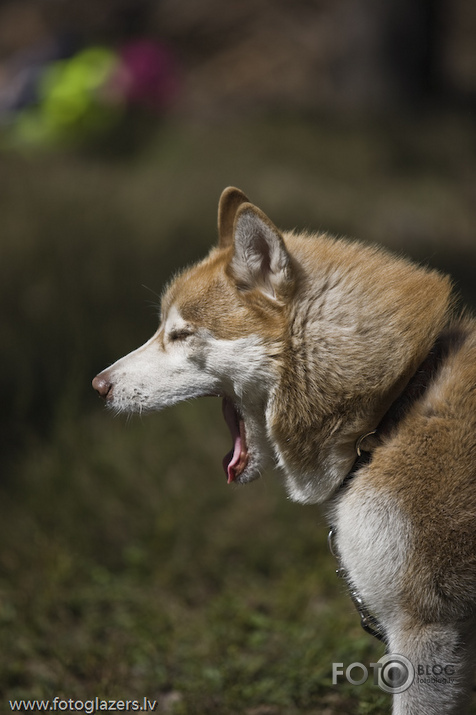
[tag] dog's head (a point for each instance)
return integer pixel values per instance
(221, 330)
(307, 340)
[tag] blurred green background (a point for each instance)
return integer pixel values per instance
(128, 568)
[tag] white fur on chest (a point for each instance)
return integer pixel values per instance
(373, 540)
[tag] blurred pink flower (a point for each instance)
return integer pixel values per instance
(147, 75)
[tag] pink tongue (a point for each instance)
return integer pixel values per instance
(231, 460)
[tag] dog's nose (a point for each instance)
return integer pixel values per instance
(102, 385)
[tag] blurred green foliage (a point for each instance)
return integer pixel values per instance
(127, 566)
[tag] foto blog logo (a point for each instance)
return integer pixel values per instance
(392, 673)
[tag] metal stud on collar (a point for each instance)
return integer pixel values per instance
(358, 444)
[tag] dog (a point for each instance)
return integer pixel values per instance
(349, 369)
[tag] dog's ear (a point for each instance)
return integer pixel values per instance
(230, 200)
(260, 260)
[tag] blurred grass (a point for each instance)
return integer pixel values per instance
(127, 566)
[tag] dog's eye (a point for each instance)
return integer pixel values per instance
(180, 334)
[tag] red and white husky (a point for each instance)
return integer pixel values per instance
(314, 344)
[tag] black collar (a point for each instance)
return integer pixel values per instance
(414, 391)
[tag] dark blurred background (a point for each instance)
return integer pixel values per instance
(127, 566)
(308, 56)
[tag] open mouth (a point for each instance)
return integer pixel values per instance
(236, 460)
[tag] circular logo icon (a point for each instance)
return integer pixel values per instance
(395, 674)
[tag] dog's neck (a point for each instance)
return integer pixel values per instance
(363, 322)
